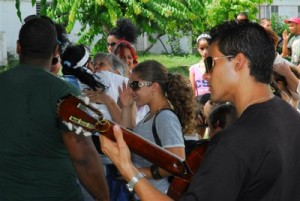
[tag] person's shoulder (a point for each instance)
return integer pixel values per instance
(166, 114)
(110, 75)
(194, 66)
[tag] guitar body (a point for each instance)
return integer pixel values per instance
(179, 185)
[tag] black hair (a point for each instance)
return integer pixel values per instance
(62, 38)
(125, 29)
(37, 39)
(252, 40)
(202, 99)
(71, 56)
(222, 116)
(242, 14)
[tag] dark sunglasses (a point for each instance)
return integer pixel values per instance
(209, 62)
(31, 17)
(111, 44)
(135, 85)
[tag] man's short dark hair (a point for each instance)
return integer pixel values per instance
(252, 40)
(37, 39)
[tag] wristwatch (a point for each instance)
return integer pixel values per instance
(130, 185)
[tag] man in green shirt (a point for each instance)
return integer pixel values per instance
(39, 158)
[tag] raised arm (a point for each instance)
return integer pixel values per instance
(87, 164)
(284, 70)
(126, 102)
(119, 153)
(285, 50)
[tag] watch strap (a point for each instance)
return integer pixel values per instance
(130, 185)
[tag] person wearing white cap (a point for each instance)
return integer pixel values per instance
(291, 46)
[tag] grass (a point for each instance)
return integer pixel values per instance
(174, 63)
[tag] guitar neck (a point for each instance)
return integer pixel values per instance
(150, 151)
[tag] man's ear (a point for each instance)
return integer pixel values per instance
(240, 60)
(18, 48)
(55, 51)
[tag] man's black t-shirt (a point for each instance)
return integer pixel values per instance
(256, 158)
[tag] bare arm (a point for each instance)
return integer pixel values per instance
(127, 105)
(87, 164)
(119, 153)
(284, 70)
(285, 50)
(192, 80)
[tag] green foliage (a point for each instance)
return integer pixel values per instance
(172, 17)
(220, 10)
(97, 17)
(278, 24)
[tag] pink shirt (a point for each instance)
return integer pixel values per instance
(198, 70)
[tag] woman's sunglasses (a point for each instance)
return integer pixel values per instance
(135, 85)
(111, 44)
(209, 62)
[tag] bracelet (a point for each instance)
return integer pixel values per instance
(130, 185)
(155, 172)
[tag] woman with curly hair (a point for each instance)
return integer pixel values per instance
(125, 30)
(172, 105)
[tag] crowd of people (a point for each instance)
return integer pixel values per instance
(242, 96)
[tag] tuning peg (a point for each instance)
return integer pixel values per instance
(86, 134)
(78, 130)
(86, 100)
(69, 125)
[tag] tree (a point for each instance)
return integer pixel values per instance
(221, 10)
(172, 17)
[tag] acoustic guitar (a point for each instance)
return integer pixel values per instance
(179, 185)
(86, 119)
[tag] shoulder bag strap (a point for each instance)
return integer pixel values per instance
(155, 135)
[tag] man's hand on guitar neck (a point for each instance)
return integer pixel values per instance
(119, 153)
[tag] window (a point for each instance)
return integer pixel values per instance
(274, 10)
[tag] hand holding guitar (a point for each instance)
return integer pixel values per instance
(119, 153)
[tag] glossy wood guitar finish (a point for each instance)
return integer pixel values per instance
(74, 110)
(179, 185)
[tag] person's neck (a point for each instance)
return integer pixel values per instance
(46, 64)
(261, 93)
(158, 105)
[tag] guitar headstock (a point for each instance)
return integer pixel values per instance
(77, 113)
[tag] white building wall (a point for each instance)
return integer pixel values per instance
(286, 8)
(10, 23)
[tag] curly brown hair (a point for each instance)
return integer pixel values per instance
(176, 88)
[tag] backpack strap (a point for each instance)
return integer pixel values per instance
(155, 135)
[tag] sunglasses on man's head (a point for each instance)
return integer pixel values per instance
(135, 85)
(209, 62)
(111, 44)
